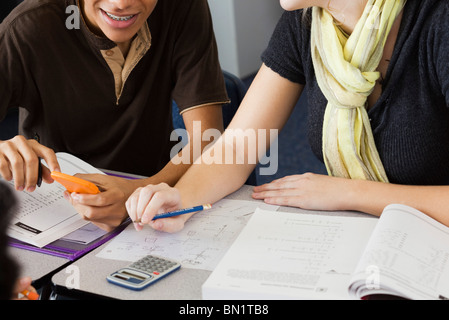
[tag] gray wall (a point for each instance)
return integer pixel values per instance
(243, 29)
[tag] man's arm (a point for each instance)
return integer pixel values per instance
(19, 156)
(107, 210)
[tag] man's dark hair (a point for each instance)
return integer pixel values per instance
(8, 267)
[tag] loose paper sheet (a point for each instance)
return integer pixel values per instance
(200, 245)
(291, 256)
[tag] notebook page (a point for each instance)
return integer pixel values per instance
(44, 216)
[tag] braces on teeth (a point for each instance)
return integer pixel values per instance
(118, 18)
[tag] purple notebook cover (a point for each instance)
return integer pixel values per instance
(58, 248)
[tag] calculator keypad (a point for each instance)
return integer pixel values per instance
(152, 264)
(143, 272)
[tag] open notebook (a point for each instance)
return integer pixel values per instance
(46, 222)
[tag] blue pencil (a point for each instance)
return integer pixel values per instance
(180, 212)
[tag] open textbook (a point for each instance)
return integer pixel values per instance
(281, 255)
(43, 216)
(407, 256)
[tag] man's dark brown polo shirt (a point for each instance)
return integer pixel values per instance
(80, 96)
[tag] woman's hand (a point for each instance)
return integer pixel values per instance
(148, 201)
(19, 160)
(307, 191)
(106, 209)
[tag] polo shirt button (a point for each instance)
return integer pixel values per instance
(109, 53)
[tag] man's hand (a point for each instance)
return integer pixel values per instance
(19, 160)
(106, 209)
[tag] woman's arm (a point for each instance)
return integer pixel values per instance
(197, 121)
(267, 105)
(321, 192)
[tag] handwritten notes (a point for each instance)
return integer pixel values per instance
(201, 244)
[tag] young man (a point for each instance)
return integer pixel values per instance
(96, 78)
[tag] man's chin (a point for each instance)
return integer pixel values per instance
(119, 37)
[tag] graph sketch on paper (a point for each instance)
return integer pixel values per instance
(200, 245)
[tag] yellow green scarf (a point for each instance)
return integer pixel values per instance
(345, 68)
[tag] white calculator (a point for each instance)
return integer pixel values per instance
(143, 272)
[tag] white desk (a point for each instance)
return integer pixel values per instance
(36, 265)
(184, 284)
(40, 267)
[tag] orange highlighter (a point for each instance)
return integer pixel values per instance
(30, 295)
(74, 184)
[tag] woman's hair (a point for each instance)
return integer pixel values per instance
(306, 15)
(8, 267)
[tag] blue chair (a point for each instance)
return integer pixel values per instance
(236, 91)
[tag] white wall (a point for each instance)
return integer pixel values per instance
(243, 29)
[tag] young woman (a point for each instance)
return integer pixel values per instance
(376, 77)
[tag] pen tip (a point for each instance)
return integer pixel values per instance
(207, 206)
